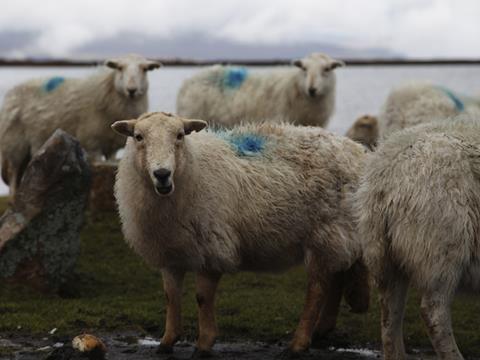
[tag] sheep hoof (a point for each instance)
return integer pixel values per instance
(164, 349)
(288, 354)
(202, 354)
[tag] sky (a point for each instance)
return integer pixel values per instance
(89, 28)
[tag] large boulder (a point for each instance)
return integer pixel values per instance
(39, 233)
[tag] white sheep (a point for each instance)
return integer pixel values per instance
(304, 95)
(85, 108)
(418, 208)
(261, 197)
(419, 103)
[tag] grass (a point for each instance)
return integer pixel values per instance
(115, 290)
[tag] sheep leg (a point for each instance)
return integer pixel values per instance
(318, 285)
(393, 296)
(172, 285)
(206, 284)
(327, 319)
(435, 310)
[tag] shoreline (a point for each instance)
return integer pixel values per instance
(247, 62)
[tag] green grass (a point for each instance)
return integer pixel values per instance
(115, 290)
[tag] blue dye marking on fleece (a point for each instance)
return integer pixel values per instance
(243, 144)
(234, 77)
(458, 103)
(52, 83)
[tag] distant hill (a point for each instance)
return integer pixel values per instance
(15, 44)
(203, 48)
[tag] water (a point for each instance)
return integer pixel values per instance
(360, 90)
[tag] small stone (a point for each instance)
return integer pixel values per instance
(90, 345)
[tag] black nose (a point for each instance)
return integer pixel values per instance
(131, 92)
(312, 91)
(162, 174)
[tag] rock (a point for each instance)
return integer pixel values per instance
(84, 346)
(103, 180)
(90, 345)
(39, 233)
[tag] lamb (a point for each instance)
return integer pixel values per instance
(254, 198)
(85, 108)
(364, 131)
(420, 102)
(228, 95)
(418, 208)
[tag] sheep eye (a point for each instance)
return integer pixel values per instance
(138, 137)
(180, 136)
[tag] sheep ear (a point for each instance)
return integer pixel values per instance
(336, 63)
(124, 127)
(152, 65)
(298, 63)
(193, 125)
(112, 64)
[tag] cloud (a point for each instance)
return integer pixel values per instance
(420, 28)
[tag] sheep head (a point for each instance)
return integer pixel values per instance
(130, 77)
(316, 76)
(156, 141)
(365, 131)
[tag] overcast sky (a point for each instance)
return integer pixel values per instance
(421, 28)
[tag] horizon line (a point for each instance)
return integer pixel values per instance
(176, 61)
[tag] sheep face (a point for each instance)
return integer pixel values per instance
(130, 78)
(157, 144)
(316, 77)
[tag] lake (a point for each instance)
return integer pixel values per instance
(360, 89)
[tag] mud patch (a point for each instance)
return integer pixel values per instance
(126, 346)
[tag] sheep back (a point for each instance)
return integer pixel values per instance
(418, 103)
(227, 95)
(418, 204)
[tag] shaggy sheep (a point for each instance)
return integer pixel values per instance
(418, 209)
(364, 131)
(228, 95)
(418, 103)
(85, 108)
(257, 198)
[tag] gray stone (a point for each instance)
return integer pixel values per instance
(39, 233)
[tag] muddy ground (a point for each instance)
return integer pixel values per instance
(126, 346)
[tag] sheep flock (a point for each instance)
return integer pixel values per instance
(246, 177)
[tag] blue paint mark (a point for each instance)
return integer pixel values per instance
(248, 144)
(244, 144)
(53, 83)
(234, 77)
(458, 103)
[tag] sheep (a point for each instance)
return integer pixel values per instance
(85, 108)
(418, 212)
(228, 95)
(420, 102)
(364, 131)
(260, 197)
